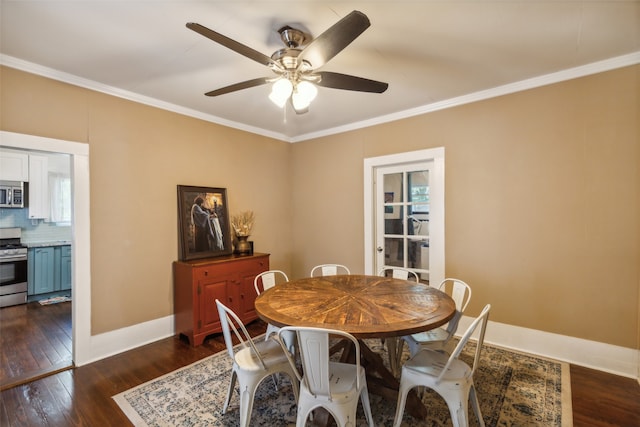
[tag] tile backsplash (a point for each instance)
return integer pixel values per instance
(33, 231)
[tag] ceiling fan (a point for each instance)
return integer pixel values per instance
(295, 65)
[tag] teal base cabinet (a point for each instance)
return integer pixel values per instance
(65, 267)
(41, 274)
(49, 269)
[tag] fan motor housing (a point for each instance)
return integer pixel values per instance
(288, 57)
(292, 37)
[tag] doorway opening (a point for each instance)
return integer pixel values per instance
(80, 236)
(404, 213)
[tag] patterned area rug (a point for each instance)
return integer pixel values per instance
(514, 389)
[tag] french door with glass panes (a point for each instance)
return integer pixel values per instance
(404, 213)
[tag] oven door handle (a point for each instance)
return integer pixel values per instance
(13, 258)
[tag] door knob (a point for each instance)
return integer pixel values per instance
(379, 249)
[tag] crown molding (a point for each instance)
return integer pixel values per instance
(547, 79)
(563, 75)
(61, 76)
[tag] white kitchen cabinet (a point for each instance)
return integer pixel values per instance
(38, 187)
(14, 166)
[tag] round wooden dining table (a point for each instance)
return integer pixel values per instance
(366, 307)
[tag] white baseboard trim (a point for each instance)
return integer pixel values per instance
(591, 354)
(120, 340)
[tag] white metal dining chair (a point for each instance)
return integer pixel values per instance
(262, 282)
(252, 362)
(395, 344)
(447, 375)
(267, 280)
(334, 386)
(440, 338)
(329, 270)
(399, 273)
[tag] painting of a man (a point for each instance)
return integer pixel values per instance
(202, 218)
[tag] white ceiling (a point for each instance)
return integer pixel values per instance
(433, 54)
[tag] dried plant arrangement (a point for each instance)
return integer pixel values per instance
(242, 223)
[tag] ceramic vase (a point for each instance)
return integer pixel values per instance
(244, 247)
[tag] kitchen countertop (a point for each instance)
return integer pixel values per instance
(47, 244)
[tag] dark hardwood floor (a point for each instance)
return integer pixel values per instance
(600, 399)
(82, 396)
(35, 340)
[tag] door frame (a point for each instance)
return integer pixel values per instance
(80, 232)
(379, 239)
(436, 211)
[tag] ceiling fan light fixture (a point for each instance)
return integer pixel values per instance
(281, 91)
(303, 94)
(307, 90)
(296, 63)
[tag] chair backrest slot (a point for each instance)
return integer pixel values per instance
(399, 273)
(269, 279)
(330, 269)
(314, 349)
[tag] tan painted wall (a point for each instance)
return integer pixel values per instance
(542, 209)
(138, 155)
(541, 196)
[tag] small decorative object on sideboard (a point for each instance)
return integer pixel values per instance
(242, 224)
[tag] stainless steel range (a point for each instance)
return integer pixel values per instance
(13, 268)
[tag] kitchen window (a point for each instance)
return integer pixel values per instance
(60, 198)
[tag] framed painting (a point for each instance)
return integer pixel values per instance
(203, 218)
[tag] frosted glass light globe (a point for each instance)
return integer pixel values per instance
(281, 91)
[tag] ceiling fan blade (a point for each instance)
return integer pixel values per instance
(233, 45)
(332, 41)
(239, 86)
(347, 82)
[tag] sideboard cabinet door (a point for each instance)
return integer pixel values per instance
(198, 283)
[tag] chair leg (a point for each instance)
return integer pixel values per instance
(476, 405)
(246, 404)
(232, 386)
(402, 401)
(301, 418)
(458, 408)
(459, 418)
(295, 385)
(344, 414)
(366, 406)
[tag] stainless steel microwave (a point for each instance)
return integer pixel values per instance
(12, 194)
